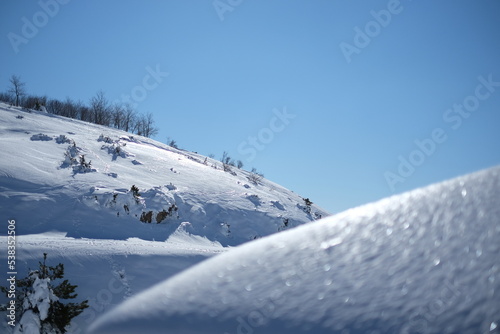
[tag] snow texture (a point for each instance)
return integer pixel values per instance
(42, 297)
(67, 184)
(426, 261)
(29, 324)
(77, 178)
(40, 300)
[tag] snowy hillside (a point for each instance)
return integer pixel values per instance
(426, 261)
(69, 187)
(75, 177)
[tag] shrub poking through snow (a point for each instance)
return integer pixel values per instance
(255, 177)
(307, 208)
(72, 152)
(62, 139)
(114, 147)
(105, 139)
(171, 186)
(39, 305)
(83, 166)
(285, 224)
(308, 204)
(73, 158)
(227, 163)
(147, 217)
(135, 192)
(41, 137)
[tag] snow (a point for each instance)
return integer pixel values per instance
(42, 297)
(77, 178)
(36, 306)
(67, 184)
(29, 324)
(426, 261)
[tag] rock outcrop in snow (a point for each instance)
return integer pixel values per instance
(426, 261)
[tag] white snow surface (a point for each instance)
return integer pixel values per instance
(426, 261)
(86, 217)
(29, 324)
(41, 297)
(45, 187)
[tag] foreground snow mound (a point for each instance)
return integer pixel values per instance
(426, 261)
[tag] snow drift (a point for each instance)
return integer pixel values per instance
(426, 261)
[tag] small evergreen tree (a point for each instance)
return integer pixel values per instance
(84, 164)
(308, 202)
(135, 193)
(39, 301)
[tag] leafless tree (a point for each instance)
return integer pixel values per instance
(100, 108)
(34, 102)
(6, 97)
(117, 114)
(55, 107)
(148, 122)
(17, 88)
(129, 117)
(144, 125)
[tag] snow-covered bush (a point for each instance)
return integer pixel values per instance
(116, 149)
(70, 156)
(39, 305)
(105, 139)
(171, 186)
(73, 158)
(62, 139)
(41, 137)
(83, 166)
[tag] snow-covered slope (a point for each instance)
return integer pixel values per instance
(85, 215)
(427, 261)
(46, 185)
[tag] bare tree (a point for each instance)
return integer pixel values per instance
(145, 126)
(6, 97)
(17, 88)
(55, 107)
(101, 110)
(34, 102)
(129, 117)
(84, 113)
(117, 114)
(72, 109)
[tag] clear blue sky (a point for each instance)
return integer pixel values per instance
(362, 86)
